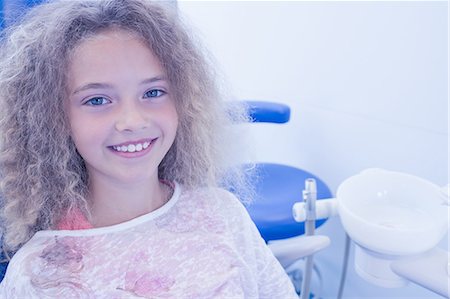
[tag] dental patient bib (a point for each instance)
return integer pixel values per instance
(200, 244)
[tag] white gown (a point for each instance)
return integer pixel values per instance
(200, 244)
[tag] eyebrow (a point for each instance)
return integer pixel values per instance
(109, 86)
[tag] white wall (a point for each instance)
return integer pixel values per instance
(367, 83)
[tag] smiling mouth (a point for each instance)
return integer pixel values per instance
(132, 147)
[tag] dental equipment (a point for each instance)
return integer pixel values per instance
(307, 211)
(277, 188)
(396, 221)
(309, 198)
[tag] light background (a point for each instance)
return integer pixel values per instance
(367, 83)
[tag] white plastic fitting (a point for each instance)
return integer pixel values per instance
(325, 208)
(291, 250)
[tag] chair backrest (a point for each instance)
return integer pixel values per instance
(268, 112)
(3, 265)
(10, 10)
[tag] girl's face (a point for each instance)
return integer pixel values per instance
(121, 111)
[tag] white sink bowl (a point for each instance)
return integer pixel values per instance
(390, 215)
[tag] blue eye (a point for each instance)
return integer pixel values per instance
(97, 101)
(154, 93)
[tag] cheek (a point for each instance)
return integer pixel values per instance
(174, 122)
(85, 131)
(170, 119)
(175, 118)
(77, 130)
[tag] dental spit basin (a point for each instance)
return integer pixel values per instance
(390, 215)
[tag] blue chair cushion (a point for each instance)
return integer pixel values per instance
(278, 187)
(3, 264)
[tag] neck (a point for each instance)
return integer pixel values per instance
(119, 202)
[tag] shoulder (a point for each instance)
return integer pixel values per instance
(22, 268)
(219, 200)
(217, 203)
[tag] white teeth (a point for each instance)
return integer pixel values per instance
(131, 148)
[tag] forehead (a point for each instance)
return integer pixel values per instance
(109, 54)
(110, 33)
(105, 38)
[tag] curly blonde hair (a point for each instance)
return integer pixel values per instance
(42, 175)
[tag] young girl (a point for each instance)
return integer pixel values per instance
(112, 153)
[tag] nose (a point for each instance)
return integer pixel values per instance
(130, 117)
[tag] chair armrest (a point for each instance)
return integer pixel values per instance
(288, 251)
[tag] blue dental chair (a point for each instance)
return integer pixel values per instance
(278, 186)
